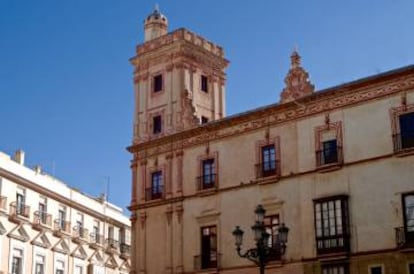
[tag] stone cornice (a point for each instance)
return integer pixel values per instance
(330, 99)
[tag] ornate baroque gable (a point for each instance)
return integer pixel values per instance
(297, 81)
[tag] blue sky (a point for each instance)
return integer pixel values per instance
(66, 94)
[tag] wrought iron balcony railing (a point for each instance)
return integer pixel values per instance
(97, 239)
(404, 238)
(62, 225)
(125, 249)
(111, 243)
(80, 232)
(207, 181)
(154, 193)
(268, 168)
(19, 210)
(329, 156)
(42, 218)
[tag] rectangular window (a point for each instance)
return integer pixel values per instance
(408, 207)
(335, 269)
(157, 126)
(407, 130)
(43, 210)
(204, 120)
(156, 185)
(375, 270)
(157, 84)
(272, 225)
(208, 179)
(62, 217)
(40, 264)
(17, 262)
(96, 231)
(209, 247)
(329, 153)
(267, 167)
(331, 224)
(20, 202)
(204, 83)
(60, 267)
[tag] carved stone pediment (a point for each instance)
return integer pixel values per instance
(297, 81)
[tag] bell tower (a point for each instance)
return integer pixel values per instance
(179, 80)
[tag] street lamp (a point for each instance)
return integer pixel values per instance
(263, 252)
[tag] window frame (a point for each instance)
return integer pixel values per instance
(200, 182)
(157, 124)
(273, 231)
(204, 83)
(330, 267)
(157, 83)
(336, 129)
(157, 177)
(329, 239)
(264, 176)
(204, 263)
(395, 114)
(408, 235)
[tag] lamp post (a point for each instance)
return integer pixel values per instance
(263, 252)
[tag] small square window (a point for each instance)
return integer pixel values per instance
(157, 126)
(204, 120)
(157, 83)
(376, 270)
(204, 83)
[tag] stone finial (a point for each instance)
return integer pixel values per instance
(297, 81)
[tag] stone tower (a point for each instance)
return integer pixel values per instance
(179, 80)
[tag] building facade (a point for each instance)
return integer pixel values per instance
(334, 165)
(48, 227)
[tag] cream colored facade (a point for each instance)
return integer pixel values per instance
(48, 227)
(350, 211)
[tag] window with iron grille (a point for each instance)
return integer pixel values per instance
(156, 184)
(209, 175)
(204, 83)
(408, 207)
(157, 83)
(209, 247)
(268, 164)
(331, 224)
(335, 269)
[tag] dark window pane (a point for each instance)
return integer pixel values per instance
(208, 178)
(204, 83)
(411, 268)
(268, 165)
(407, 130)
(204, 120)
(158, 83)
(156, 185)
(376, 270)
(329, 152)
(208, 247)
(157, 124)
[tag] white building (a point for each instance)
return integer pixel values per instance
(48, 227)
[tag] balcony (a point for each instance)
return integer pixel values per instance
(19, 212)
(61, 228)
(207, 182)
(42, 220)
(125, 250)
(403, 143)
(112, 245)
(211, 261)
(333, 244)
(267, 169)
(96, 240)
(329, 159)
(3, 203)
(404, 238)
(80, 234)
(154, 193)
